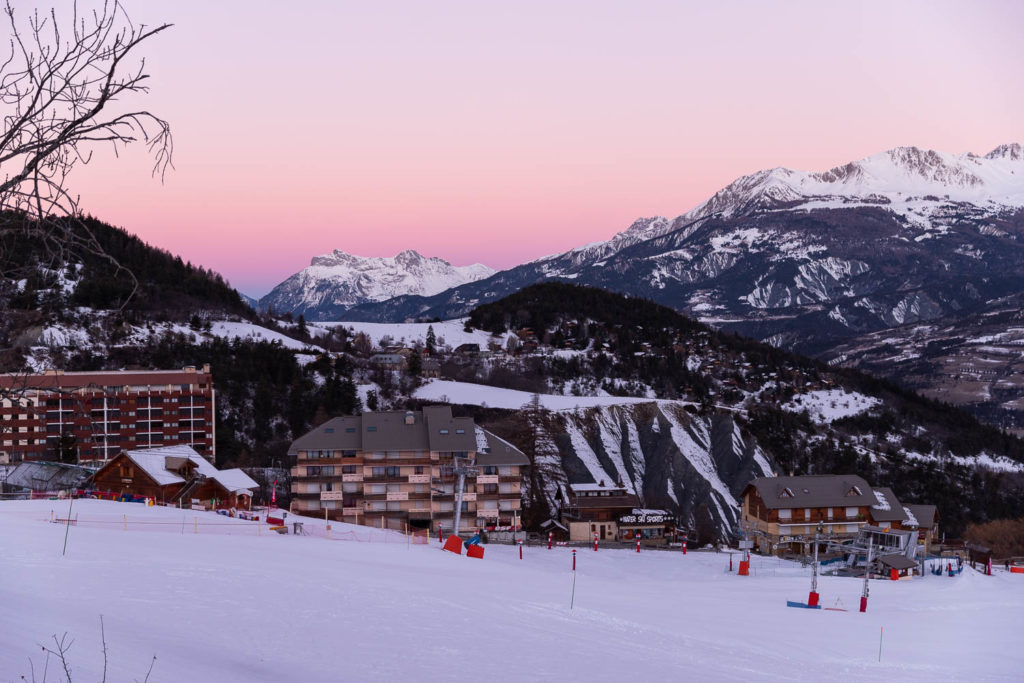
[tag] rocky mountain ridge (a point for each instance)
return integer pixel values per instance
(335, 282)
(807, 261)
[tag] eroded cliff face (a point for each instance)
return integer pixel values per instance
(692, 465)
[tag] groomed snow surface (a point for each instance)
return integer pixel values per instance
(220, 606)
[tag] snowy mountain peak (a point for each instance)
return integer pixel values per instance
(1013, 152)
(892, 177)
(339, 280)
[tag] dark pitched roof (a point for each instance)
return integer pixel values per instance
(920, 516)
(331, 435)
(887, 507)
(447, 433)
(813, 491)
(897, 561)
(432, 429)
(389, 431)
(499, 452)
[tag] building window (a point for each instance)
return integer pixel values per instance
(444, 431)
(490, 469)
(394, 471)
(378, 471)
(348, 469)
(460, 431)
(371, 429)
(348, 454)
(418, 469)
(350, 430)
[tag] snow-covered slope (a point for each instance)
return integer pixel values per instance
(258, 608)
(337, 281)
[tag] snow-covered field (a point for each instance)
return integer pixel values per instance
(467, 393)
(241, 607)
(450, 332)
(831, 404)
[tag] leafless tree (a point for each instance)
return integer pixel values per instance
(67, 85)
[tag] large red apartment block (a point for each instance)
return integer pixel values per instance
(96, 415)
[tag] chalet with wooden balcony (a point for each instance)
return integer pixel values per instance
(397, 469)
(174, 475)
(785, 512)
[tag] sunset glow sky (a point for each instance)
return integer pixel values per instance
(500, 132)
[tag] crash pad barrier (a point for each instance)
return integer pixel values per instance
(475, 550)
(453, 544)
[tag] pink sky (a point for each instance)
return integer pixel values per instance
(501, 132)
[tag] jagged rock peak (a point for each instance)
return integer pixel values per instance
(1013, 151)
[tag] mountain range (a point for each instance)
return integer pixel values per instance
(335, 282)
(815, 262)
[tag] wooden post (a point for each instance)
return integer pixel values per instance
(125, 522)
(51, 515)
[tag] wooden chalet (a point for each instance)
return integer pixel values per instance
(174, 475)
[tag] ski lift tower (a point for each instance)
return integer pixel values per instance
(461, 466)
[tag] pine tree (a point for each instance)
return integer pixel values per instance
(415, 364)
(431, 341)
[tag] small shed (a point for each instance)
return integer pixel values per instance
(900, 564)
(559, 532)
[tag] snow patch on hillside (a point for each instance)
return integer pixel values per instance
(831, 404)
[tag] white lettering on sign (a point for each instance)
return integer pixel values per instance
(645, 519)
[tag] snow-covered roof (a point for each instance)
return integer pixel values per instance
(236, 481)
(153, 461)
(580, 488)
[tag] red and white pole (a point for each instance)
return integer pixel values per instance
(520, 550)
(551, 535)
(638, 541)
(574, 559)
(684, 552)
(595, 541)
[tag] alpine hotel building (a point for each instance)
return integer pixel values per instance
(395, 468)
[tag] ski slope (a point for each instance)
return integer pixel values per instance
(227, 604)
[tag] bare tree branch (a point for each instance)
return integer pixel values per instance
(64, 86)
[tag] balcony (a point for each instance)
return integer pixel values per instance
(352, 477)
(487, 479)
(331, 495)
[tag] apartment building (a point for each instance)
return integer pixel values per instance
(396, 469)
(96, 415)
(784, 512)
